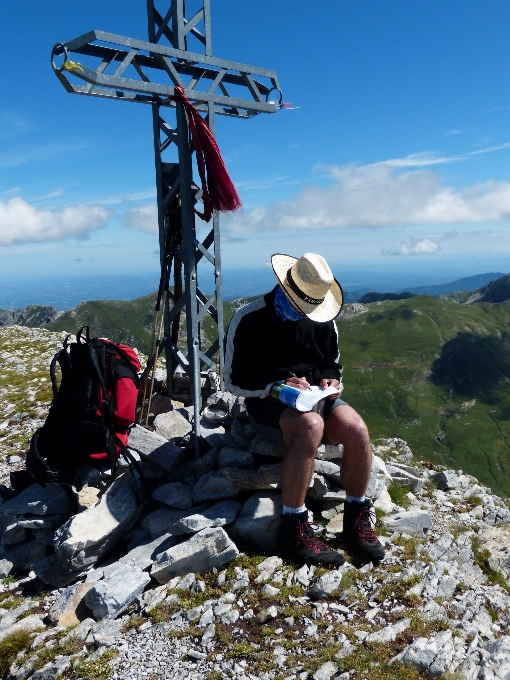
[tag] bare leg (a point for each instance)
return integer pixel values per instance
(345, 426)
(302, 433)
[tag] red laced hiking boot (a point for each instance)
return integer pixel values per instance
(358, 533)
(296, 540)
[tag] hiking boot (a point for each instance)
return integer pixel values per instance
(296, 540)
(358, 533)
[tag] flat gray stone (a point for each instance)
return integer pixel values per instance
(446, 480)
(207, 463)
(22, 557)
(29, 623)
(211, 433)
(86, 537)
(52, 670)
(219, 515)
(416, 483)
(105, 632)
(51, 571)
(112, 596)
(227, 483)
(41, 522)
(330, 452)
(415, 522)
(161, 521)
(38, 501)
(141, 557)
(13, 534)
(259, 520)
(265, 447)
(154, 448)
(328, 582)
(239, 458)
(202, 552)
(329, 470)
(238, 433)
(326, 671)
(175, 495)
(173, 424)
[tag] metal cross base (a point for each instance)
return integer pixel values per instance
(106, 65)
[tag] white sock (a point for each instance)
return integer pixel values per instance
(354, 499)
(293, 511)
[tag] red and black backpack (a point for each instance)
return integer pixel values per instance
(92, 408)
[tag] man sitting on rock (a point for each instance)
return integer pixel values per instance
(289, 334)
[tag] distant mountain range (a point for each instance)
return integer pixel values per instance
(468, 283)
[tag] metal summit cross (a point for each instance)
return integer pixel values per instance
(101, 64)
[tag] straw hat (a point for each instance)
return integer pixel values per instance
(309, 284)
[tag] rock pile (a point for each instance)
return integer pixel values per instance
(172, 577)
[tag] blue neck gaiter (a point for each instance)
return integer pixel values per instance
(284, 309)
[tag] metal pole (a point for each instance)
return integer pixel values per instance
(190, 268)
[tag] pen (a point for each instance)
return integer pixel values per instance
(293, 375)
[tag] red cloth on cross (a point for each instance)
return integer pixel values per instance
(219, 192)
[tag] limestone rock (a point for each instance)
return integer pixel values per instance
(21, 557)
(154, 448)
(416, 522)
(218, 515)
(239, 435)
(87, 497)
(333, 452)
(384, 501)
(205, 550)
(52, 670)
(172, 424)
(70, 608)
(175, 495)
(227, 483)
(162, 521)
(265, 447)
(29, 623)
(51, 571)
(211, 433)
(142, 556)
(325, 671)
(328, 582)
(112, 596)
(36, 500)
(259, 520)
(104, 632)
(446, 480)
(239, 458)
(207, 463)
(84, 538)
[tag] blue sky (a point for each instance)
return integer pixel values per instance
(397, 159)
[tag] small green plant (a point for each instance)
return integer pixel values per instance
(133, 622)
(398, 494)
(10, 647)
(481, 558)
(97, 669)
(474, 500)
(240, 650)
(9, 579)
(213, 675)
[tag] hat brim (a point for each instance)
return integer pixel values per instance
(326, 311)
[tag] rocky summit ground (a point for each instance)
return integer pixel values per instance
(439, 604)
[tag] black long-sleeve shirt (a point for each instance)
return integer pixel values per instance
(260, 349)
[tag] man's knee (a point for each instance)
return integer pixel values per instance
(309, 426)
(346, 423)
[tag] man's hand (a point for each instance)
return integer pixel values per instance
(330, 382)
(299, 383)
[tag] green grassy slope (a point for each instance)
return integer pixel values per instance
(121, 321)
(435, 373)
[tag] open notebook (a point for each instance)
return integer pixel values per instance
(302, 400)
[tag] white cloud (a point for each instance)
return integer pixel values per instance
(21, 222)
(144, 217)
(414, 246)
(375, 196)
